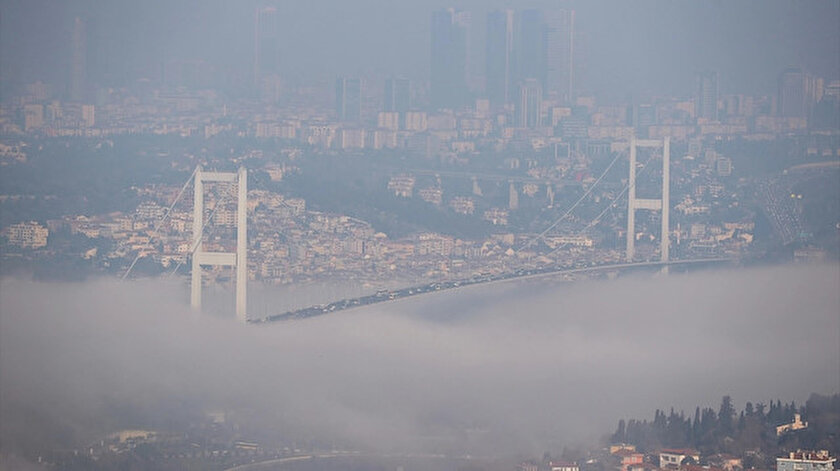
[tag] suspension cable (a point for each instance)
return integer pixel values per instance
(159, 223)
(221, 202)
(572, 208)
(609, 207)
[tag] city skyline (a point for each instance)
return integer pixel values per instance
(674, 50)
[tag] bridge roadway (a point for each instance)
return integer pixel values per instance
(495, 177)
(518, 275)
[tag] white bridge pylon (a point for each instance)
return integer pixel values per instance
(238, 259)
(655, 204)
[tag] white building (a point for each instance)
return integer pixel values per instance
(462, 205)
(28, 235)
(563, 466)
(797, 424)
(675, 457)
(352, 138)
(806, 461)
(33, 116)
(388, 120)
(416, 121)
(402, 185)
(88, 115)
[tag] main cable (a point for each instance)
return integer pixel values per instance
(160, 222)
(572, 208)
(609, 206)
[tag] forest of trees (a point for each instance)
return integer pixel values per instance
(750, 433)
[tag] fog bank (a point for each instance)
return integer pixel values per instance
(516, 367)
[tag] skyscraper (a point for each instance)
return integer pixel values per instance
(266, 44)
(529, 46)
(78, 61)
(397, 95)
(449, 58)
(558, 37)
(799, 91)
(499, 59)
(348, 98)
(706, 96)
(529, 104)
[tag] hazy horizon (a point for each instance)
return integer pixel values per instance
(749, 42)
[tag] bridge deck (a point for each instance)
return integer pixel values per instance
(518, 275)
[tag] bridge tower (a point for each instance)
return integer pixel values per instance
(238, 259)
(662, 204)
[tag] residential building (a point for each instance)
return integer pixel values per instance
(798, 92)
(27, 235)
(33, 116)
(706, 96)
(529, 104)
(797, 424)
(806, 461)
(628, 459)
(674, 458)
(562, 466)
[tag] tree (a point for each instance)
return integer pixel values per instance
(759, 410)
(695, 427)
(620, 434)
(725, 416)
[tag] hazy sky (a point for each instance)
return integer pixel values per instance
(526, 367)
(626, 47)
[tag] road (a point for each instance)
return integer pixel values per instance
(485, 279)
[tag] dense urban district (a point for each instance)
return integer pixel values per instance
(392, 197)
(389, 181)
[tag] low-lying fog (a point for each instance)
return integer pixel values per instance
(516, 367)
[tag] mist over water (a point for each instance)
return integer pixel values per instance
(506, 368)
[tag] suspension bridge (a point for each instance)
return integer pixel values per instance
(237, 184)
(438, 286)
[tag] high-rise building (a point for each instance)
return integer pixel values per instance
(33, 116)
(397, 94)
(798, 92)
(88, 115)
(559, 47)
(449, 59)
(266, 44)
(529, 104)
(499, 59)
(398, 98)
(348, 98)
(706, 96)
(78, 61)
(529, 46)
